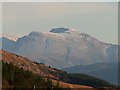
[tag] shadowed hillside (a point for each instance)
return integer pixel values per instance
(20, 72)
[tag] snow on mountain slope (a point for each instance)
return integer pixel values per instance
(62, 47)
(12, 38)
(7, 42)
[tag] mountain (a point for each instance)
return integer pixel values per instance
(20, 72)
(63, 47)
(6, 44)
(12, 38)
(106, 71)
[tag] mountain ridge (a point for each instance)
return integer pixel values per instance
(64, 49)
(13, 38)
(106, 71)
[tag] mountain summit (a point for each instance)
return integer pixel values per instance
(62, 30)
(62, 47)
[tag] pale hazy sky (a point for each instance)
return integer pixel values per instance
(97, 19)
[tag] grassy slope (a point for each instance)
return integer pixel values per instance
(20, 68)
(14, 77)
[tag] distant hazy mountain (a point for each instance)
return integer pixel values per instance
(62, 47)
(9, 37)
(6, 44)
(106, 71)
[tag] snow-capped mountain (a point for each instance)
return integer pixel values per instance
(12, 38)
(63, 47)
(7, 41)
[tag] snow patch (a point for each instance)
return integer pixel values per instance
(9, 37)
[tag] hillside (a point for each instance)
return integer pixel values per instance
(14, 77)
(105, 71)
(23, 66)
(27, 64)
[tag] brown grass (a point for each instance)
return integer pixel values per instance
(67, 85)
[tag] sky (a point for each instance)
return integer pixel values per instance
(98, 19)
